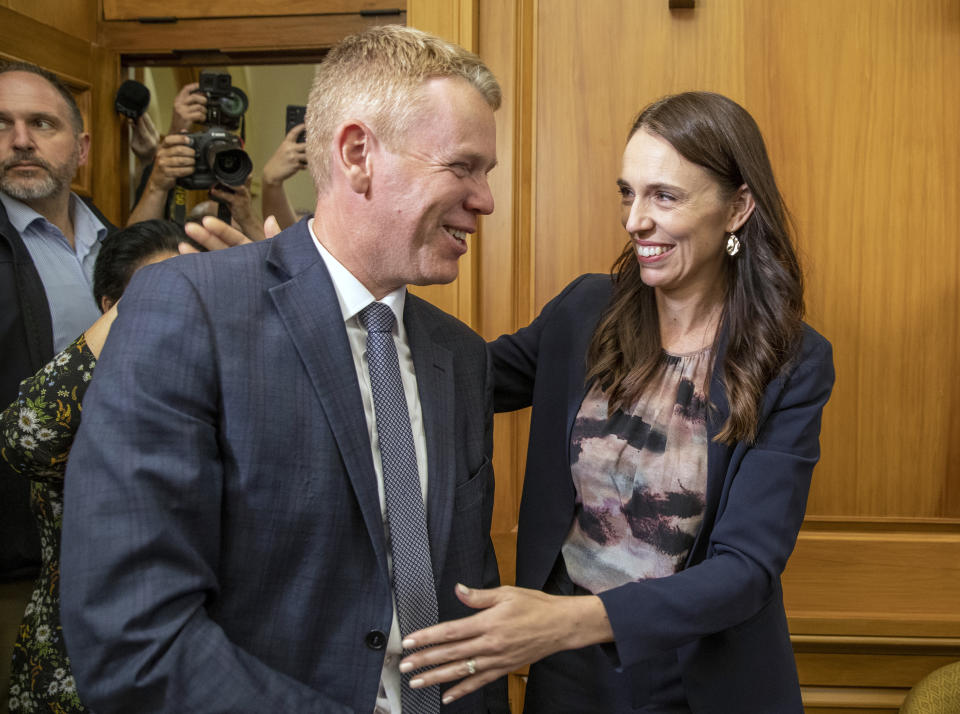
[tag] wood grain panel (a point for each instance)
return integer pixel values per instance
(77, 18)
(862, 130)
(893, 670)
(881, 579)
(851, 700)
(134, 9)
(108, 136)
(495, 252)
(30, 39)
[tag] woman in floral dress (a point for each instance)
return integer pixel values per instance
(36, 433)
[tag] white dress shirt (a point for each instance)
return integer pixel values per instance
(354, 297)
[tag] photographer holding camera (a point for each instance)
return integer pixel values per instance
(210, 159)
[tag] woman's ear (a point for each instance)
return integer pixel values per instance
(105, 303)
(740, 209)
(354, 141)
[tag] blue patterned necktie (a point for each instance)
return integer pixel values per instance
(413, 585)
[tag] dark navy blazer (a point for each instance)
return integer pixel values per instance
(223, 545)
(723, 613)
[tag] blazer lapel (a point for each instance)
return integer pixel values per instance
(307, 303)
(435, 383)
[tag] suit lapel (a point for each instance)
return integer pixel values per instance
(435, 383)
(307, 303)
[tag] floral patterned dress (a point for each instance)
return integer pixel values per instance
(36, 433)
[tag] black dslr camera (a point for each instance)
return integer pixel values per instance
(219, 152)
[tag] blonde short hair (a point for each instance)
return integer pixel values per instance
(376, 76)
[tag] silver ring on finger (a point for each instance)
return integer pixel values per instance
(472, 666)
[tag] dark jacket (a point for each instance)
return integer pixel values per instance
(26, 344)
(723, 613)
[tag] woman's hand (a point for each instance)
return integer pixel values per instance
(517, 626)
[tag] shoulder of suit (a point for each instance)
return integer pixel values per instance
(439, 320)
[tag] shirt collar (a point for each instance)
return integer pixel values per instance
(352, 295)
(87, 228)
(19, 214)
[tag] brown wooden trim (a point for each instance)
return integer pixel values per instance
(25, 38)
(858, 643)
(880, 525)
(267, 38)
(184, 9)
(853, 697)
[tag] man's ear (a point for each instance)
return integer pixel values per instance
(741, 209)
(354, 144)
(83, 140)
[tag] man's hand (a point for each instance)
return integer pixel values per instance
(290, 157)
(214, 234)
(241, 208)
(144, 138)
(175, 159)
(189, 108)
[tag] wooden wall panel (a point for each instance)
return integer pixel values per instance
(77, 18)
(875, 579)
(495, 251)
(861, 108)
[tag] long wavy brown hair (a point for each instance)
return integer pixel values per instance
(763, 304)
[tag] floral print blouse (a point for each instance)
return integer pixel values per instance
(36, 433)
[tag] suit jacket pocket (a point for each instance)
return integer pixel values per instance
(471, 493)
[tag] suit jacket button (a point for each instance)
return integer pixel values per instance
(376, 640)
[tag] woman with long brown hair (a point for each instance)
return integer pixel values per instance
(675, 427)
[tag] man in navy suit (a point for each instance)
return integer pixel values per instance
(225, 546)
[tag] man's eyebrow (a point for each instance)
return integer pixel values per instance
(47, 116)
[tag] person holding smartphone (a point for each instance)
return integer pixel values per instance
(289, 158)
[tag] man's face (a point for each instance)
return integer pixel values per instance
(39, 148)
(430, 189)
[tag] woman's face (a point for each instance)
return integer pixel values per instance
(677, 217)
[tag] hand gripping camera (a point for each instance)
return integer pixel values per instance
(220, 157)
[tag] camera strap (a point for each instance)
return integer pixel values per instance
(179, 204)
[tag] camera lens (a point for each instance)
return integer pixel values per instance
(233, 104)
(231, 166)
